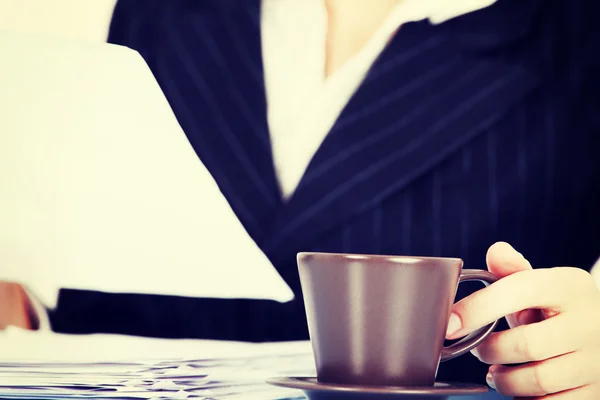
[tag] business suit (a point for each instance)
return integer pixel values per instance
(481, 129)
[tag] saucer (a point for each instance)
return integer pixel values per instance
(316, 390)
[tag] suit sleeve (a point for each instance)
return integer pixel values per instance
(84, 312)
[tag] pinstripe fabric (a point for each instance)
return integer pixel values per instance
(481, 129)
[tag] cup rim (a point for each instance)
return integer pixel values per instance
(356, 256)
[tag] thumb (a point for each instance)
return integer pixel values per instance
(503, 260)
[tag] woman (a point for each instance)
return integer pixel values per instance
(391, 127)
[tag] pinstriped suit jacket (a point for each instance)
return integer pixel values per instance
(484, 128)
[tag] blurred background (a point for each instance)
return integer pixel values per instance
(85, 20)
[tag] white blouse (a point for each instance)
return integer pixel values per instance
(302, 104)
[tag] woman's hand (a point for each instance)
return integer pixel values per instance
(554, 316)
(14, 306)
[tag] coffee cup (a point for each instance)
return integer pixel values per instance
(381, 320)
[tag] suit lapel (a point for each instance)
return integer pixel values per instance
(423, 99)
(211, 70)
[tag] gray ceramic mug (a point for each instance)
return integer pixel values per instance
(382, 320)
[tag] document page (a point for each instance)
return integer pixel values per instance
(100, 188)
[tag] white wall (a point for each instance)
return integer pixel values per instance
(78, 19)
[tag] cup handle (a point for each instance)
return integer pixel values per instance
(473, 340)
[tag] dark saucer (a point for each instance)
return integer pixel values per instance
(315, 390)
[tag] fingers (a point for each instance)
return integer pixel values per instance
(581, 393)
(535, 342)
(525, 317)
(555, 289)
(553, 313)
(555, 375)
(503, 260)
(13, 310)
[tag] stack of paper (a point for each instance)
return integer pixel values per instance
(180, 379)
(49, 366)
(100, 188)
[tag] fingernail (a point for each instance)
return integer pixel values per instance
(490, 380)
(454, 325)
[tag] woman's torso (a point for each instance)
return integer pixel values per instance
(481, 129)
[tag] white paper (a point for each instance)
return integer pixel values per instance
(47, 365)
(100, 189)
(17, 345)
